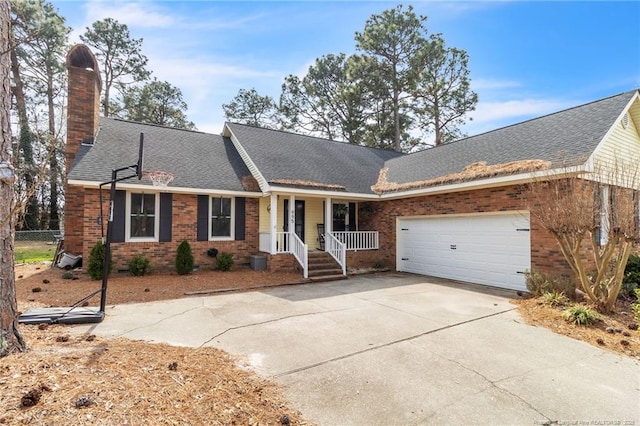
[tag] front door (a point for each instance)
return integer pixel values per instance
(299, 223)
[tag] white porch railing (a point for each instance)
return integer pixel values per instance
(287, 242)
(358, 240)
(337, 250)
(300, 251)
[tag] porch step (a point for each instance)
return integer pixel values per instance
(319, 256)
(324, 272)
(323, 267)
(328, 278)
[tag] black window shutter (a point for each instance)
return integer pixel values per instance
(119, 209)
(203, 219)
(166, 200)
(352, 217)
(240, 218)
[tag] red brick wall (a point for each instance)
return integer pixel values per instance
(73, 220)
(284, 262)
(381, 216)
(82, 122)
(162, 255)
(82, 109)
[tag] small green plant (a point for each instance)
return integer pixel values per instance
(225, 261)
(631, 280)
(139, 266)
(184, 258)
(379, 264)
(96, 259)
(67, 275)
(554, 298)
(580, 315)
(636, 306)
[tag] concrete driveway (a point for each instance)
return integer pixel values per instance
(398, 349)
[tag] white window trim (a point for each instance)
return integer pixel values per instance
(156, 225)
(232, 237)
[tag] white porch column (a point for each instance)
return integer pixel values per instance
(328, 215)
(292, 213)
(274, 222)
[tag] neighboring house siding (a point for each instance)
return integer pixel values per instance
(381, 217)
(183, 227)
(621, 149)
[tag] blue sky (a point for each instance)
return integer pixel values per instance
(526, 58)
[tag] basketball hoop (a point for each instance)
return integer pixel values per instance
(159, 179)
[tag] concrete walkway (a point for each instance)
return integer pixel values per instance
(398, 349)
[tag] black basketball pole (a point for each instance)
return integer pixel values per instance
(112, 195)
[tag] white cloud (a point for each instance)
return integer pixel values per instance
(147, 14)
(493, 84)
(499, 111)
(492, 115)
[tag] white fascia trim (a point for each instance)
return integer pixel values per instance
(253, 169)
(171, 189)
(591, 160)
(487, 183)
(323, 194)
(455, 187)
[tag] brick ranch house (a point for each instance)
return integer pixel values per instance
(457, 211)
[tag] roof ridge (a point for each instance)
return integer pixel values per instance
(316, 137)
(158, 125)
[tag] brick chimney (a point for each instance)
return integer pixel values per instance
(83, 115)
(83, 110)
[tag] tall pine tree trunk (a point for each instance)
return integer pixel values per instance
(54, 217)
(31, 212)
(10, 337)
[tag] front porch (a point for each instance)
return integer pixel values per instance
(298, 225)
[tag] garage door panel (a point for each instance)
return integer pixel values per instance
(486, 249)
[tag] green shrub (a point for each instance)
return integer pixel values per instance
(184, 258)
(631, 280)
(636, 306)
(580, 315)
(554, 298)
(225, 261)
(96, 260)
(139, 266)
(539, 283)
(67, 275)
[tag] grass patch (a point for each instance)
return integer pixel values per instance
(33, 251)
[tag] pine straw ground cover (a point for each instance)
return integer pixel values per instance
(86, 380)
(40, 285)
(71, 380)
(614, 332)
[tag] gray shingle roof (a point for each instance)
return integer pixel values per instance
(211, 162)
(288, 156)
(564, 138)
(198, 160)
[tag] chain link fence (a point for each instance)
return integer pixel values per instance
(38, 235)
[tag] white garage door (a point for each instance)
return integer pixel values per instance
(491, 249)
